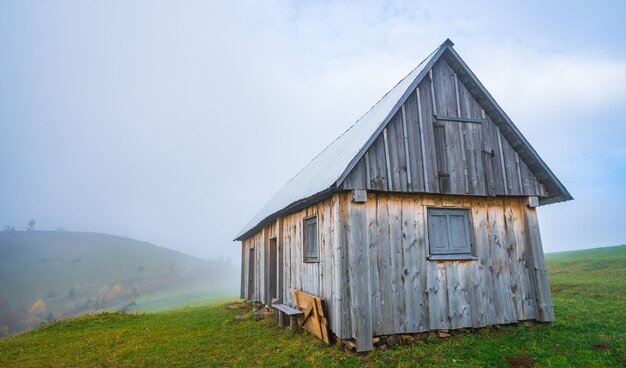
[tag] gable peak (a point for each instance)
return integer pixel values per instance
(447, 42)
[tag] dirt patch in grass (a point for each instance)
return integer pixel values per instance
(601, 346)
(520, 361)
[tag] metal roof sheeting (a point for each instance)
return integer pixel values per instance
(327, 167)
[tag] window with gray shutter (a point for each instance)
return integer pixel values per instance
(449, 233)
(311, 250)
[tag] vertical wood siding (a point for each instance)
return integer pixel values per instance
(375, 275)
(506, 283)
(455, 157)
(323, 278)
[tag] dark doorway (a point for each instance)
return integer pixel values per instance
(279, 286)
(273, 270)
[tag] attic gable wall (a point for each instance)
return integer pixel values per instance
(421, 151)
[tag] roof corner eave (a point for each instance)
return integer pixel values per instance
(294, 207)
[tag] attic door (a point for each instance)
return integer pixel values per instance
(457, 133)
(459, 157)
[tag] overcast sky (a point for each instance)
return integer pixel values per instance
(174, 122)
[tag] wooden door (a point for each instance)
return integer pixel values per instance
(251, 274)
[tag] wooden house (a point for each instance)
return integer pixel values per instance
(421, 216)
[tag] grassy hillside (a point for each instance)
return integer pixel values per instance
(589, 294)
(73, 273)
(571, 273)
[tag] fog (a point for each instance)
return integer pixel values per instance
(173, 122)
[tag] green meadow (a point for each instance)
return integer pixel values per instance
(589, 290)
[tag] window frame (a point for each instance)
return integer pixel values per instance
(452, 254)
(310, 257)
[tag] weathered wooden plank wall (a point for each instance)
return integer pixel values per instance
(408, 293)
(537, 264)
(360, 304)
(470, 157)
(328, 278)
(250, 289)
(242, 292)
(374, 272)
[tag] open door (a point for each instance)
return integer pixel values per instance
(279, 286)
(273, 261)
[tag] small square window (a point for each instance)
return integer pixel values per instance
(311, 250)
(449, 233)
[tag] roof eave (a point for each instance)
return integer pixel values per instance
(555, 199)
(293, 207)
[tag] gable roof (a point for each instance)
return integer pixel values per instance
(327, 170)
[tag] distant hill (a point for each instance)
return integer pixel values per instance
(76, 272)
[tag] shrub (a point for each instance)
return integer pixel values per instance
(38, 308)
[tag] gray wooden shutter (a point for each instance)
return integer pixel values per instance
(310, 240)
(458, 233)
(438, 233)
(448, 231)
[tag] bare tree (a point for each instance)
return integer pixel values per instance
(31, 225)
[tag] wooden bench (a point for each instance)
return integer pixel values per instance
(292, 313)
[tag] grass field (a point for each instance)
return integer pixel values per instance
(589, 292)
(191, 296)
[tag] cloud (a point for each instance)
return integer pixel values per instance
(175, 123)
(554, 85)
